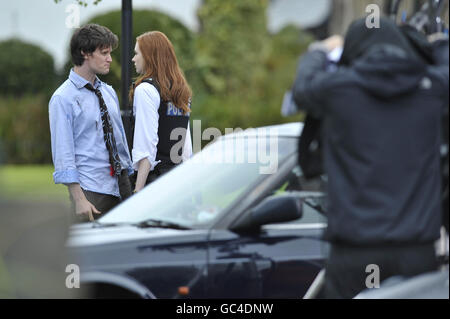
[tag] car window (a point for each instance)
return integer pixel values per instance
(312, 193)
(313, 211)
(196, 193)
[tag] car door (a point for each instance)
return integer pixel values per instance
(280, 261)
(234, 265)
(175, 267)
(297, 253)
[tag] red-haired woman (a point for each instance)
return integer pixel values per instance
(161, 105)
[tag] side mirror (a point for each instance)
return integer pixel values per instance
(272, 210)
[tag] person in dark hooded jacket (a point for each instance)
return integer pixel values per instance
(381, 121)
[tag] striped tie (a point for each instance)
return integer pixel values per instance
(108, 133)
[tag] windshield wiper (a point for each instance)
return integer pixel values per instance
(97, 224)
(160, 224)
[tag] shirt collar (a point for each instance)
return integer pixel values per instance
(80, 82)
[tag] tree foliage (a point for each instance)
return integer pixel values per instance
(233, 43)
(243, 70)
(24, 129)
(25, 68)
(83, 3)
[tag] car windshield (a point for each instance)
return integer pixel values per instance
(196, 193)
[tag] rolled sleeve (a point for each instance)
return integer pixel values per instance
(62, 143)
(146, 103)
(138, 156)
(66, 177)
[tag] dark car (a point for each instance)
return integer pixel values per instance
(232, 222)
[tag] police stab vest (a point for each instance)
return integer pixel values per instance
(172, 129)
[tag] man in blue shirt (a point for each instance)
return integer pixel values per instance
(89, 148)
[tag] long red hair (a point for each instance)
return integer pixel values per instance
(161, 64)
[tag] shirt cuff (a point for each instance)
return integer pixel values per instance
(138, 156)
(69, 176)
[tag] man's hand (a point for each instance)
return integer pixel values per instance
(84, 208)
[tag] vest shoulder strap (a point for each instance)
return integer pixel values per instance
(154, 83)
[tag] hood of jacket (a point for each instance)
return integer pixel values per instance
(387, 71)
(385, 61)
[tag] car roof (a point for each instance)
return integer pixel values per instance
(281, 130)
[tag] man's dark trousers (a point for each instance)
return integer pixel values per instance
(345, 272)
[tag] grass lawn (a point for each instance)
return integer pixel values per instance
(31, 182)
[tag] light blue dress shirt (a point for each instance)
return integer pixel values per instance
(78, 148)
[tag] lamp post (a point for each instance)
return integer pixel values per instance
(125, 61)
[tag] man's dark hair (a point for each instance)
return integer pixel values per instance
(88, 39)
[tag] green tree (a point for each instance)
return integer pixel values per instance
(243, 70)
(24, 129)
(82, 2)
(28, 80)
(233, 43)
(25, 68)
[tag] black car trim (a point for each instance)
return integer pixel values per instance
(295, 226)
(97, 277)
